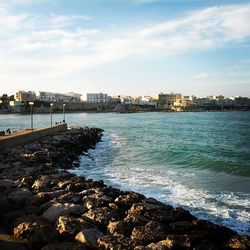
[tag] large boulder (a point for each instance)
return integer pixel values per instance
(70, 226)
(56, 210)
(19, 195)
(126, 200)
(115, 242)
(102, 215)
(7, 184)
(120, 227)
(70, 197)
(151, 232)
(89, 237)
(36, 230)
(96, 200)
(177, 242)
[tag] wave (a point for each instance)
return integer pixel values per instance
(116, 163)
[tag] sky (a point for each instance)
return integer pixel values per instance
(125, 47)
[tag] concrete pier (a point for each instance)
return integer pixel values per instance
(27, 135)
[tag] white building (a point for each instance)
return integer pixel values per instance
(47, 96)
(58, 97)
(76, 97)
(97, 97)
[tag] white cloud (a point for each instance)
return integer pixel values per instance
(202, 75)
(48, 47)
(65, 20)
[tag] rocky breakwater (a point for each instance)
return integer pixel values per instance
(45, 207)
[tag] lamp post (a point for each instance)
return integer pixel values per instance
(51, 105)
(64, 112)
(31, 114)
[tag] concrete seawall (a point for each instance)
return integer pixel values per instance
(25, 136)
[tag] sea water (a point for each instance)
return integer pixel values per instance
(200, 161)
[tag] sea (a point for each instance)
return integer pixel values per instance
(196, 160)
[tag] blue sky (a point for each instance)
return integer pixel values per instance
(129, 47)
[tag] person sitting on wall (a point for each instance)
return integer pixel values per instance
(8, 131)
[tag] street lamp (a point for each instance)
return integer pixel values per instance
(51, 105)
(31, 114)
(64, 112)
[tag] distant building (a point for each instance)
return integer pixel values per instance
(147, 100)
(17, 106)
(25, 96)
(75, 97)
(97, 97)
(168, 99)
(58, 97)
(47, 96)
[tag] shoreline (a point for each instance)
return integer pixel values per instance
(53, 209)
(115, 112)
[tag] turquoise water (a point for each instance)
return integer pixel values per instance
(200, 161)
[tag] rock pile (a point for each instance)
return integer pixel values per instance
(51, 209)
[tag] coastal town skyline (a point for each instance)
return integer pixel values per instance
(133, 47)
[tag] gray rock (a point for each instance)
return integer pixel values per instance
(19, 195)
(56, 210)
(6, 184)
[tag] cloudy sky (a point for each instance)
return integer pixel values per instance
(131, 47)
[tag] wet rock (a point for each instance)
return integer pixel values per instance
(69, 226)
(56, 210)
(65, 246)
(141, 208)
(151, 232)
(115, 242)
(181, 227)
(213, 232)
(89, 237)
(19, 195)
(102, 215)
(167, 215)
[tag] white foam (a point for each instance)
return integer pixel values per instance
(226, 208)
